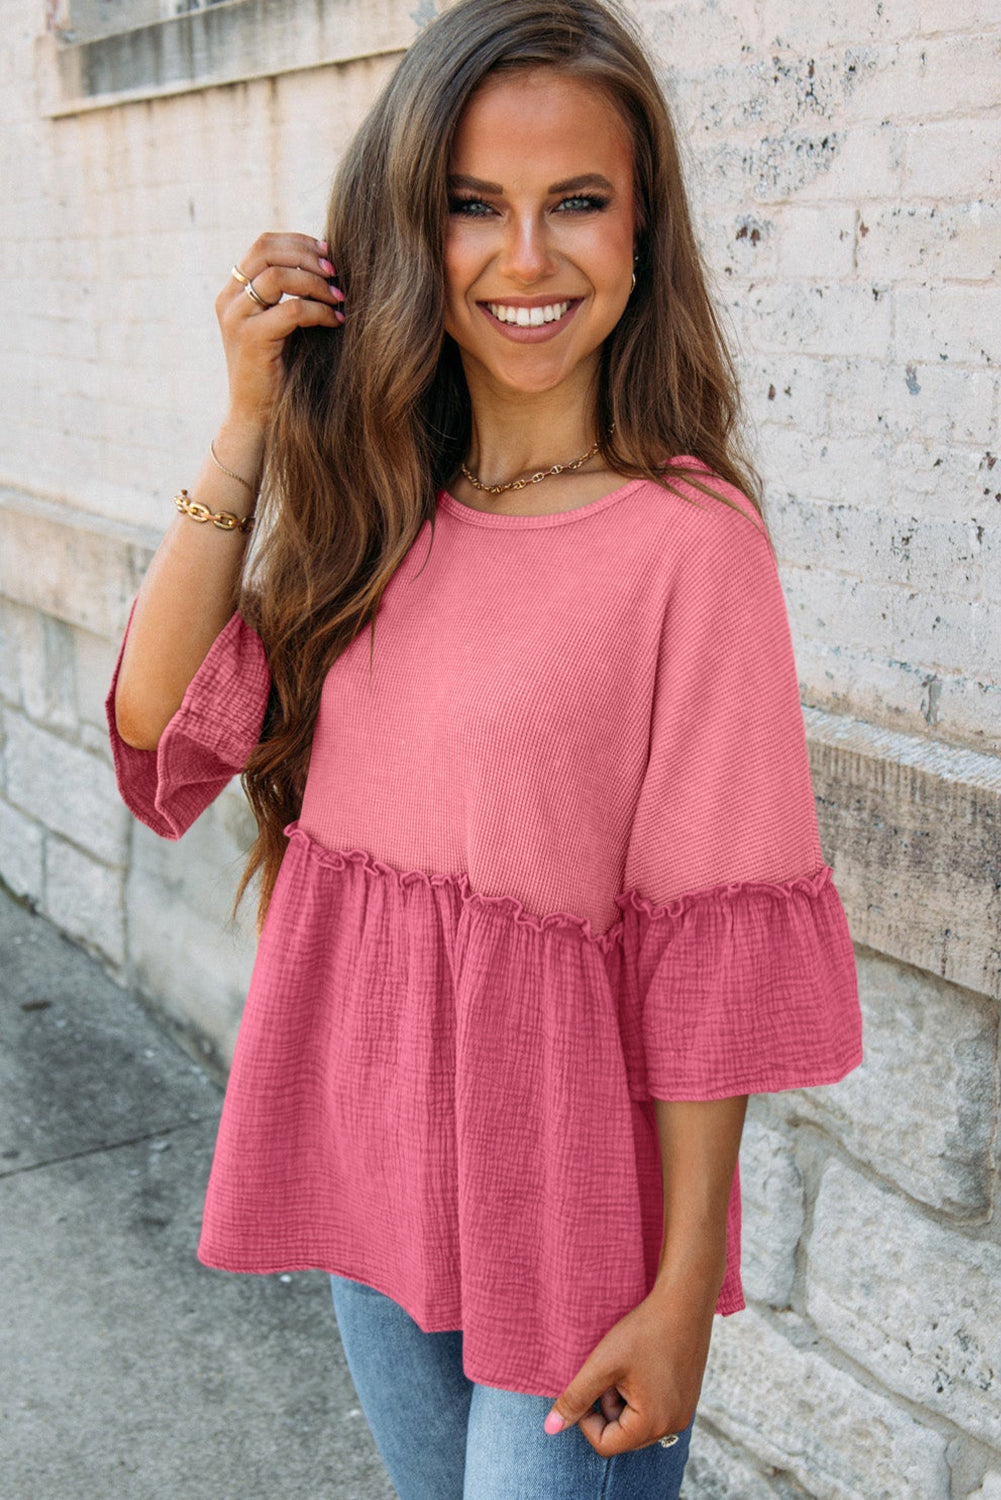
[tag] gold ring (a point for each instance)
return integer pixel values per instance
(243, 280)
(255, 296)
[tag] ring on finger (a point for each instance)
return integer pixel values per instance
(255, 296)
(241, 278)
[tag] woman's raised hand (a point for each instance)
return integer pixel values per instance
(255, 319)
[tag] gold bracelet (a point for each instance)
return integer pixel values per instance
(222, 466)
(224, 519)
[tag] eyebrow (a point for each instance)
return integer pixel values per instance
(569, 185)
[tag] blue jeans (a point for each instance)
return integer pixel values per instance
(442, 1436)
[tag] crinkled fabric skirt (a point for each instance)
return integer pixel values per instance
(443, 1436)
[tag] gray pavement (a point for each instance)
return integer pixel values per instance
(129, 1371)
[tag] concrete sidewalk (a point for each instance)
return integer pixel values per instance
(127, 1369)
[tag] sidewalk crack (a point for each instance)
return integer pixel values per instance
(56, 1161)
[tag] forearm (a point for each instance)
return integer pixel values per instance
(699, 1143)
(186, 597)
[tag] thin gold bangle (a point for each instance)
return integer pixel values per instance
(224, 519)
(222, 466)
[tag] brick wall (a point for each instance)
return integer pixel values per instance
(843, 164)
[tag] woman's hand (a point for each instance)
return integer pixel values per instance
(647, 1372)
(254, 336)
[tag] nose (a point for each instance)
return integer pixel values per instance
(526, 254)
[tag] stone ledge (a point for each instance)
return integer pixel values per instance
(230, 42)
(93, 566)
(912, 828)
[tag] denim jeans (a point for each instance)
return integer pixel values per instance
(442, 1436)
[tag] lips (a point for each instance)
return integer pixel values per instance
(532, 333)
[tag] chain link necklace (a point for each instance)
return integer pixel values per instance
(536, 478)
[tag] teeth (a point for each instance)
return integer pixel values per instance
(528, 317)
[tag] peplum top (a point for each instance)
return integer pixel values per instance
(557, 858)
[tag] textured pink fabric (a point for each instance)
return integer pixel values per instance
(557, 857)
(206, 742)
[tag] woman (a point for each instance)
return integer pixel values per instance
(542, 894)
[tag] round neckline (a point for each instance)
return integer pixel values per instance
(448, 502)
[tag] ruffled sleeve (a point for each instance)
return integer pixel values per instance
(208, 740)
(738, 965)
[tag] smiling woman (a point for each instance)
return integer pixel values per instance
(543, 898)
(529, 229)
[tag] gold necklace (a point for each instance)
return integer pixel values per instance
(519, 484)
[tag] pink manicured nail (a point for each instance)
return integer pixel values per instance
(326, 266)
(553, 1423)
(336, 290)
(322, 246)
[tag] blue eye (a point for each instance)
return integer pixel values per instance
(587, 201)
(464, 206)
(475, 208)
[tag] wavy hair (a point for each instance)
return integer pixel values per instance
(375, 417)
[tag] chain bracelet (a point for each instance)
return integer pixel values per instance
(224, 519)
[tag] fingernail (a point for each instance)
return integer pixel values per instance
(336, 290)
(326, 266)
(322, 246)
(553, 1423)
(338, 314)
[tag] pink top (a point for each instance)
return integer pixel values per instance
(557, 857)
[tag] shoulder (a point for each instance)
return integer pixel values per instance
(705, 524)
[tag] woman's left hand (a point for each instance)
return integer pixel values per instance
(647, 1372)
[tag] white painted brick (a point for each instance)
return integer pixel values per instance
(771, 1389)
(937, 556)
(21, 853)
(845, 469)
(847, 680)
(954, 480)
(918, 80)
(789, 163)
(954, 160)
(938, 241)
(952, 16)
(742, 244)
(958, 323)
(683, 42)
(789, 390)
(873, 154)
(772, 1191)
(861, 470)
(785, 23)
(69, 790)
(928, 1065)
(817, 242)
(949, 635)
(923, 401)
(913, 1302)
(84, 898)
(823, 320)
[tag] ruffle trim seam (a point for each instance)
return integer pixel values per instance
(338, 859)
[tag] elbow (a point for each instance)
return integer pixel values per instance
(132, 732)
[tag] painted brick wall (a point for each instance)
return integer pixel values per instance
(843, 163)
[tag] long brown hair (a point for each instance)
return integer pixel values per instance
(374, 417)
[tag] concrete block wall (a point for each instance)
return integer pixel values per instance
(843, 164)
